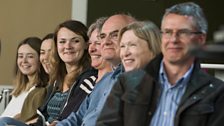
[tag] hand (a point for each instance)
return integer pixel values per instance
(53, 123)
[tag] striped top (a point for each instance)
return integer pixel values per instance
(88, 84)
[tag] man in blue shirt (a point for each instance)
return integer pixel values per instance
(92, 105)
(172, 90)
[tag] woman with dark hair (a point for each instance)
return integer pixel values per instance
(29, 75)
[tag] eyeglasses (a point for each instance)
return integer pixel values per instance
(112, 36)
(182, 34)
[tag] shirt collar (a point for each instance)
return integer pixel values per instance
(180, 83)
(117, 71)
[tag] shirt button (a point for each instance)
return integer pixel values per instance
(195, 97)
(165, 113)
(211, 85)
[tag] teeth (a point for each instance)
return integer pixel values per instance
(47, 63)
(128, 61)
(25, 67)
(68, 53)
(95, 56)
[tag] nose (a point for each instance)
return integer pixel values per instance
(46, 55)
(68, 45)
(127, 51)
(92, 48)
(107, 41)
(24, 59)
(174, 37)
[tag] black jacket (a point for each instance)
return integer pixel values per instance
(133, 99)
(76, 95)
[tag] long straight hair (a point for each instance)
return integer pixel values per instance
(40, 76)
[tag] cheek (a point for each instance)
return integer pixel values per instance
(121, 53)
(41, 58)
(59, 48)
(34, 62)
(137, 52)
(18, 62)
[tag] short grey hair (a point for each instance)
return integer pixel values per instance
(98, 24)
(193, 10)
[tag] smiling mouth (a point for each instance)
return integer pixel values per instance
(108, 48)
(69, 53)
(128, 61)
(95, 56)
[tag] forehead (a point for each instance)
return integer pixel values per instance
(47, 43)
(128, 36)
(66, 33)
(175, 21)
(113, 23)
(26, 49)
(94, 34)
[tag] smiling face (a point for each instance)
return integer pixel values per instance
(70, 46)
(45, 50)
(134, 52)
(97, 60)
(175, 48)
(27, 60)
(109, 38)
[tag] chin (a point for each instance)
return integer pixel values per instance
(129, 69)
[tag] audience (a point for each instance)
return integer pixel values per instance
(163, 85)
(75, 78)
(92, 105)
(31, 104)
(97, 60)
(139, 43)
(173, 90)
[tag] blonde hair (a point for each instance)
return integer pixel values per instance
(147, 31)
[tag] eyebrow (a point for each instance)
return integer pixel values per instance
(76, 37)
(115, 31)
(26, 53)
(45, 49)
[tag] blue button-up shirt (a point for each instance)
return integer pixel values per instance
(170, 98)
(93, 104)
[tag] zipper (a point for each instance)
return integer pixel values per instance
(69, 94)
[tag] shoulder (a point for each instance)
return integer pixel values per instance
(135, 78)
(86, 80)
(212, 83)
(89, 72)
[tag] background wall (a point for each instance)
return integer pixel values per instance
(23, 18)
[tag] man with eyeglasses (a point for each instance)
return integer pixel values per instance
(110, 49)
(172, 90)
(188, 96)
